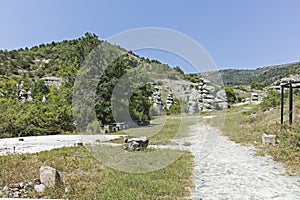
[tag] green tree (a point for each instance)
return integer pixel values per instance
(257, 85)
(178, 69)
(230, 94)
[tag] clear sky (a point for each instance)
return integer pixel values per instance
(236, 33)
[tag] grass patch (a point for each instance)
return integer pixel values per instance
(174, 127)
(86, 178)
(162, 129)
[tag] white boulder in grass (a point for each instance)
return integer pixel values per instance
(40, 188)
(268, 139)
(49, 176)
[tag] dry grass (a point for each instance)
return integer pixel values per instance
(86, 178)
(162, 129)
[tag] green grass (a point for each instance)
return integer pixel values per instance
(246, 125)
(162, 129)
(86, 178)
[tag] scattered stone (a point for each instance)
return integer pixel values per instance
(40, 188)
(78, 144)
(14, 185)
(49, 176)
(28, 188)
(16, 194)
(21, 189)
(268, 139)
(97, 141)
(37, 181)
(5, 189)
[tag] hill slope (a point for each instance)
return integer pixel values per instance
(30, 106)
(264, 75)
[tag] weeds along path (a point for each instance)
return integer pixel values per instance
(227, 170)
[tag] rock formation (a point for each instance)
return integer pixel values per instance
(201, 97)
(193, 106)
(157, 100)
(170, 98)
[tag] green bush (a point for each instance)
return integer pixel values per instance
(271, 100)
(174, 109)
(230, 94)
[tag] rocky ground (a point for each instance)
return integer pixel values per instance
(226, 170)
(36, 144)
(223, 169)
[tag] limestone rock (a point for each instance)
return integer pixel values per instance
(132, 144)
(49, 176)
(209, 88)
(40, 188)
(157, 100)
(221, 95)
(268, 139)
(170, 98)
(221, 100)
(193, 107)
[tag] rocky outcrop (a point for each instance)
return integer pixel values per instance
(193, 106)
(157, 100)
(170, 98)
(201, 97)
(221, 100)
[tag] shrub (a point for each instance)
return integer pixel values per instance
(230, 94)
(271, 100)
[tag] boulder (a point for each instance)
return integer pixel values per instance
(40, 188)
(268, 139)
(222, 105)
(136, 144)
(210, 89)
(221, 95)
(49, 176)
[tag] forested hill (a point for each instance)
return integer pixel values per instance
(46, 59)
(264, 75)
(30, 106)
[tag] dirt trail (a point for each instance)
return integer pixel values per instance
(226, 170)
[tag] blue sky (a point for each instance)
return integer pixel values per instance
(236, 33)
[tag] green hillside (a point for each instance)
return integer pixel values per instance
(29, 106)
(264, 75)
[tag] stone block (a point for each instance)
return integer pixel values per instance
(268, 139)
(49, 176)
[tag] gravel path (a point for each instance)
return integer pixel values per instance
(226, 170)
(34, 144)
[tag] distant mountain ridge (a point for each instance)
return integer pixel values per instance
(265, 75)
